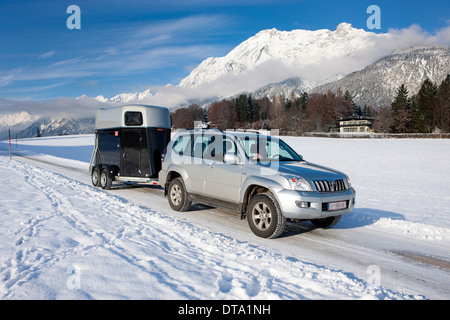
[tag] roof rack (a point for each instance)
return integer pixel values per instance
(220, 130)
(200, 128)
(247, 130)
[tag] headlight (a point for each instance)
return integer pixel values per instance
(349, 183)
(297, 183)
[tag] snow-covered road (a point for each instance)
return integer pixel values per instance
(64, 239)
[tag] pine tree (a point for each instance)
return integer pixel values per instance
(242, 107)
(422, 108)
(400, 108)
(357, 111)
(441, 112)
(250, 109)
(304, 104)
(368, 111)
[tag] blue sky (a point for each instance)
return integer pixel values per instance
(128, 46)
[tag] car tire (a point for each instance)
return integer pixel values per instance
(265, 217)
(95, 177)
(105, 179)
(326, 222)
(177, 195)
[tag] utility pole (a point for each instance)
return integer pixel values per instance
(9, 135)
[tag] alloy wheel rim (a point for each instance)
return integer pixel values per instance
(103, 179)
(95, 177)
(262, 216)
(175, 195)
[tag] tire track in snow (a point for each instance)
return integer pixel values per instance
(28, 259)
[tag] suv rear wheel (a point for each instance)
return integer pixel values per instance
(264, 216)
(179, 199)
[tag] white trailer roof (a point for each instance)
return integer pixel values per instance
(152, 116)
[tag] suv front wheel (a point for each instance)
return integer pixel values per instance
(264, 216)
(179, 199)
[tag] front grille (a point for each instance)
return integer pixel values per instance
(329, 185)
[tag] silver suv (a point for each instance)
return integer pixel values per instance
(258, 175)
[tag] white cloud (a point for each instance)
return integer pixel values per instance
(443, 36)
(47, 54)
(56, 108)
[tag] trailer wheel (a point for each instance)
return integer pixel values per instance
(105, 180)
(179, 199)
(95, 177)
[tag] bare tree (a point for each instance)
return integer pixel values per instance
(384, 120)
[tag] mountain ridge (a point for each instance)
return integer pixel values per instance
(377, 84)
(296, 49)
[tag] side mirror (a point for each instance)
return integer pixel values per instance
(231, 158)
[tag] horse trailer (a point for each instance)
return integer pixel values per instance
(129, 144)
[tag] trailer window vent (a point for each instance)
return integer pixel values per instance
(133, 118)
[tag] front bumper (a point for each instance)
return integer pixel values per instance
(313, 205)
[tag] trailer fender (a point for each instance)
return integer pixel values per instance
(112, 171)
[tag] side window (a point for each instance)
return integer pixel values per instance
(182, 146)
(133, 118)
(213, 149)
(284, 153)
(218, 146)
(229, 146)
(250, 146)
(200, 143)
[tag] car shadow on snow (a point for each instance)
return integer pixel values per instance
(359, 217)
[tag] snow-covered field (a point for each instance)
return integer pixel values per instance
(61, 238)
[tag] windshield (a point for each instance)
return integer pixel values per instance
(267, 148)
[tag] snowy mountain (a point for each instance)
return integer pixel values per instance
(16, 122)
(377, 84)
(127, 97)
(271, 56)
(121, 97)
(297, 50)
(273, 62)
(55, 127)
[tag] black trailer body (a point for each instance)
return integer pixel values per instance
(129, 144)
